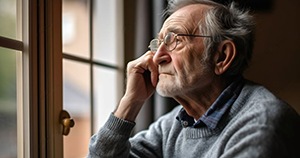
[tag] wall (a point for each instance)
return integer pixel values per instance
(276, 60)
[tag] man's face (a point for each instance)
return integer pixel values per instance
(182, 71)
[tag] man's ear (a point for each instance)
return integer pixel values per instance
(224, 57)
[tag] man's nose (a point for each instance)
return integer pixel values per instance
(162, 55)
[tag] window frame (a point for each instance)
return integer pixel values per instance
(40, 82)
(42, 79)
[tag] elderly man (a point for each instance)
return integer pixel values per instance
(198, 59)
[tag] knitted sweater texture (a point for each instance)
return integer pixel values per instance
(258, 125)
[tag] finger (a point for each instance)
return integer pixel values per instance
(154, 73)
(145, 63)
(153, 68)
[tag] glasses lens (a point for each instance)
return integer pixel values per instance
(170, 41)
(154, 44)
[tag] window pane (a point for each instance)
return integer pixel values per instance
(9, 18)
(106, 92)
(76, 27)
(76, 96)
(8, 104)
(108, 32)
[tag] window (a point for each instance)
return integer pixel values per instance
(92, 67)
(32, 66)
(11, 78)
(8, 102)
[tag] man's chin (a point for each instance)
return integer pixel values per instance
(164, 91)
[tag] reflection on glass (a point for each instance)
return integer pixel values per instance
(76, 98)
(106, 94)
(75, 28)
(8, 18)
(8, 107)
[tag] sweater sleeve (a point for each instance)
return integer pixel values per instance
(112, 140)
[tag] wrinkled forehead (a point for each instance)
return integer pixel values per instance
(185, 19)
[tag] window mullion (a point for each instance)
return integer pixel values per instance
(10, 43)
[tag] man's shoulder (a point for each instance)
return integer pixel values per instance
(257, 96)
(260, 104)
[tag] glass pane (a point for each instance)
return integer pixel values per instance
(76, 96)
(8, 103)
(108, 32)
(107, 94)
(76, 27)
(9, 18)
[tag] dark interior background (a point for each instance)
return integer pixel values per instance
(276, 58)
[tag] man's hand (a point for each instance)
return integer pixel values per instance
(142, 77)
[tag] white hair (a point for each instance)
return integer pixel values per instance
(223, 23)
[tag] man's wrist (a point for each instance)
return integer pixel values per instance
(128, 109)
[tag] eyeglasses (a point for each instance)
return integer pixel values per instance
(170, 41)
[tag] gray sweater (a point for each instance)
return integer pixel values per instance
(257, 125)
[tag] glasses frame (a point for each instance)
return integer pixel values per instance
(155, 43)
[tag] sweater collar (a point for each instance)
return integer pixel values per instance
(214, 114)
